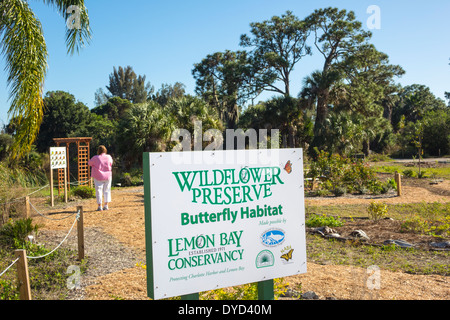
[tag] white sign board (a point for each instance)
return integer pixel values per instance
(58, 158)
(213, 224)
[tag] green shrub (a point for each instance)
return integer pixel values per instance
(322, 192)
(376, 157)
(323, 220)
(388, 186)
(409, 173)
(125, 180)
(83, 192)
(131, 179)
(247, 291)
(375, 187)
(8, 290)
(377, 210)
(14, 232)
(421, 174)
(391, 184)
(344, 175)
(339, 191)
(420, 225)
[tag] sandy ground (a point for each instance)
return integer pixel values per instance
(125, 223)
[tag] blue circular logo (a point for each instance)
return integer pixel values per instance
(273, 237)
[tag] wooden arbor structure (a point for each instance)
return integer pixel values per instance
(83, 153)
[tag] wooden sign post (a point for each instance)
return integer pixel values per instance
(58, 160)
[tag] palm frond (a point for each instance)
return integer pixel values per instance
(23, 46)
(77, 36)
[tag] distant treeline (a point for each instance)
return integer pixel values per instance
(351, 105)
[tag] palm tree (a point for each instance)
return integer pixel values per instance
(144, 127)
(318, 88)
(23, 46)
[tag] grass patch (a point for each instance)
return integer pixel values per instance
(344, 210)
(323, 220)
(432, 211)
(329, 251)
(438, 172)
(420, 218)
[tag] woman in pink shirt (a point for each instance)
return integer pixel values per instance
(102, 173)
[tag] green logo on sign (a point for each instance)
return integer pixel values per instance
(264, 259)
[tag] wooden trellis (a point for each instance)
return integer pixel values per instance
(83, 153)
(84, 174)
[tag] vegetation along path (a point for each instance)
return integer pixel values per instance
(115, 248)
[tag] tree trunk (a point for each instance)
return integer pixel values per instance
(232, 110)
(319, 125)
(366, 147)
(232, 116)
(286, 86)
(387, 113)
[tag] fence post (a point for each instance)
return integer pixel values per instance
(22, 275)
(398, 181)
(4, 214)
(27, 207)
(80, 229)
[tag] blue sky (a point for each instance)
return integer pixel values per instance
(163, 39)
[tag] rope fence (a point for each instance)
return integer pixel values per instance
(21, 257)
(73, 183)
(56, 248)
(45, 217)
(8, 205)
(21, 198)
(4, 271)
(22, 267)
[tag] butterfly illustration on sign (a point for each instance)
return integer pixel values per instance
(288, 166)
(287, 256)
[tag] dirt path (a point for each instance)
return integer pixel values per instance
(120, 233)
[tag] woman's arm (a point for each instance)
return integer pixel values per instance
(92, 162)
